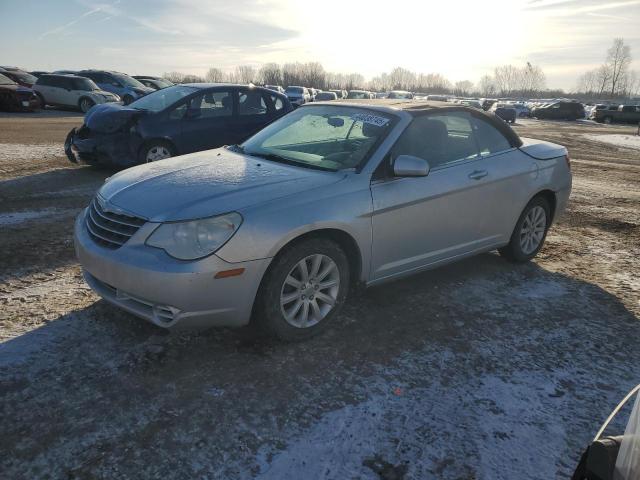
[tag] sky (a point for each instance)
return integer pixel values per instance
(462, 39)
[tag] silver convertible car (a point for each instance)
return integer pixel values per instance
(276, 230)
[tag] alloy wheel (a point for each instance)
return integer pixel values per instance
(533, 229)
(85, 105)
(157, 152)
(310, 291)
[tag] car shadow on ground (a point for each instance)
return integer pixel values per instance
(442, 349)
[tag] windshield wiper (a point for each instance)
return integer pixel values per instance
(280, 159)
(235, 148)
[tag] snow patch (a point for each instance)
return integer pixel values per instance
(619, 140)
(22, 151)
(16, 218)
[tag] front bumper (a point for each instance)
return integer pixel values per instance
(114, 149)
(167, 292)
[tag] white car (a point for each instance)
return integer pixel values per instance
(298, 95)
(71, 91)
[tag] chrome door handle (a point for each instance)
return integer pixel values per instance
(478, 174)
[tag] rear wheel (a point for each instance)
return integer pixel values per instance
(303, 290)
(85, 104)
(156, 150)
(529, 233)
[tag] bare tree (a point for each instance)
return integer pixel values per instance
(215, 75)
(313, 75)
(244, 74)
(487, 86)
(270, 74)
(462, 88)
(618, 61)
(532, 79)
(507, 79)
(175, 77)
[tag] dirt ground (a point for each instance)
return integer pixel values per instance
(479, 370)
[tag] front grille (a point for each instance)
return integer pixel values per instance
(109, 229)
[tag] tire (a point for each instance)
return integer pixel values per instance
(523, 246)
(289, 308)
(155, 150)
(85, 104)
(127, 99)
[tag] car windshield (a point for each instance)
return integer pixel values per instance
(84, 84)
(6, 80)
(161, 99)
(323, 137)
(25, 77)
(128, 81)
(294, 90)
(356, 94)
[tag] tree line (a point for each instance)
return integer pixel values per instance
(613, 78)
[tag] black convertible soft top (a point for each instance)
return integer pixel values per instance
(423, 107)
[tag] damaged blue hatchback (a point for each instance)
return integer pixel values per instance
(173, 121)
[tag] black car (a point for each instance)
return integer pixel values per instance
(157, 83)
(173, 121)
(559, 111)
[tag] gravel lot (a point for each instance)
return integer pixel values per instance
(479, 370)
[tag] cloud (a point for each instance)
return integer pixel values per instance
(62, 28)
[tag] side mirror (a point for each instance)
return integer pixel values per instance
(192, 113)
(410, 166)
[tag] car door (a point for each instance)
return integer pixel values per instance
(208, 121)
(422, 221)
(67, 92)
(46, 86)
(254, 112)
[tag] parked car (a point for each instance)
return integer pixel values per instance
(623, 114)
(326, 96)
(71, 91)
(400, 94)
(279, 228)
(312, 92)
(20, 77)
(155, 83)
(382, 95)
(358, 95)
(15, 97)
(340, 93)
(437, 98)
(297, 95)
(559, 111)
(275, 88)
(37, 73)
(487, 103)
(505, 111)
(126, 87)
(522, 111)
(173, 121)
(472, 103)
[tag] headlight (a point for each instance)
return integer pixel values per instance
(196, 238)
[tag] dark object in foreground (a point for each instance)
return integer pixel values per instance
(616, 457)
(173, 121)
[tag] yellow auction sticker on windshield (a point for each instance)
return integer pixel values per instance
(369, 118)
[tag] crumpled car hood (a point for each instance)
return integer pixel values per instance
(110, 117)
(206, 183)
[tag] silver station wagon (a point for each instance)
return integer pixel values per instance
(276, 230)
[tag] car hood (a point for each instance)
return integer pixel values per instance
(207, 183)
(110, 117)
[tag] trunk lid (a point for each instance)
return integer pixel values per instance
(541, 150)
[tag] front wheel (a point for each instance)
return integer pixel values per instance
(529, 233)
(303, 290)
(156, 150)
(86, 104)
